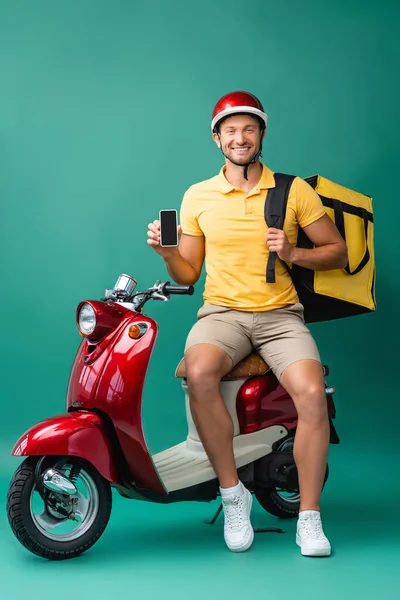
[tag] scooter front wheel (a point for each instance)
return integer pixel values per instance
(55, 525)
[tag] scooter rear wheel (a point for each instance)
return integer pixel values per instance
(48, 533)
(281, 503)
(284, 505)
(276, 504)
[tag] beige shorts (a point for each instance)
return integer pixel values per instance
(280, 336)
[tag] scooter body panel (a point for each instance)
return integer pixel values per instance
(263, 402)
(74, 434)
(112, 382)
(119, 393)
(92, 355)
(187, 465)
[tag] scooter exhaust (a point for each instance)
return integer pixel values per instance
(56, 482)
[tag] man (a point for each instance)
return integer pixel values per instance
(222, 222)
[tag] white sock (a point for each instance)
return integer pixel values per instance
(236, 490)
(305, 513)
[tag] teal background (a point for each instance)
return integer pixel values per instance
(104, 119)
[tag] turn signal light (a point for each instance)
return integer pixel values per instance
(134, 332)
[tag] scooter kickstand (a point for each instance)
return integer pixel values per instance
(269, 530)
(258, 530)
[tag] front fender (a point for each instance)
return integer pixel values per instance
(77, 433)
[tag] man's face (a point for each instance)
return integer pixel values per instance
(240, 137)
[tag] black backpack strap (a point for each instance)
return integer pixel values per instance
(274, 213)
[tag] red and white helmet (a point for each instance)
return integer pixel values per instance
(237, 102)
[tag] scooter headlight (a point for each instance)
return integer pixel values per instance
(87, 319)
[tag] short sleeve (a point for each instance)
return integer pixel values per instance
(188, 218)
(309, 206)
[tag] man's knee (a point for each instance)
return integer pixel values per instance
(311, 402)
(205, 366)
(305, 383)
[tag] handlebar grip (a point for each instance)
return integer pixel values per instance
(179, 289)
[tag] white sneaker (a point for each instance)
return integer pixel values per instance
(310, 536)
(238, 532)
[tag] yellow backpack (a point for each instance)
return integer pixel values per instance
(338, 293)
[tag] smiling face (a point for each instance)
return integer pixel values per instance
(239, 137)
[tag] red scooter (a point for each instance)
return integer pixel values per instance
(59, 499)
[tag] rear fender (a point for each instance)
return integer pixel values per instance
(77, 433)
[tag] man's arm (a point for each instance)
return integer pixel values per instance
(330, 250)
(184, 264)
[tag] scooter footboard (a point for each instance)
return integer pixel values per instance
(79, 433)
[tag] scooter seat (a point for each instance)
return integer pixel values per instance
(253, 364)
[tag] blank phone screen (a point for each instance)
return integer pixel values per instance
(168, 228)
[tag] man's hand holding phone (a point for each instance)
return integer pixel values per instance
(164, 234)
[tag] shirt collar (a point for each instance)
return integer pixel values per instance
(266, 181)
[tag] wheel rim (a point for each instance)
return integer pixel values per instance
(63, 529)
(290, 497)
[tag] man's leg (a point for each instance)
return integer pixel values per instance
(205, 366)
(304, 382)
(288, 347)
(214, 345)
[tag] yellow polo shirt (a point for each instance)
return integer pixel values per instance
(233, 225)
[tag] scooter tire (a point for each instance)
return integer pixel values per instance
(21, 520)
(273, 503)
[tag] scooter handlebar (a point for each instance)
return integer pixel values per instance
(179, 289)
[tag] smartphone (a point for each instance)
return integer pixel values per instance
(168, 227)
